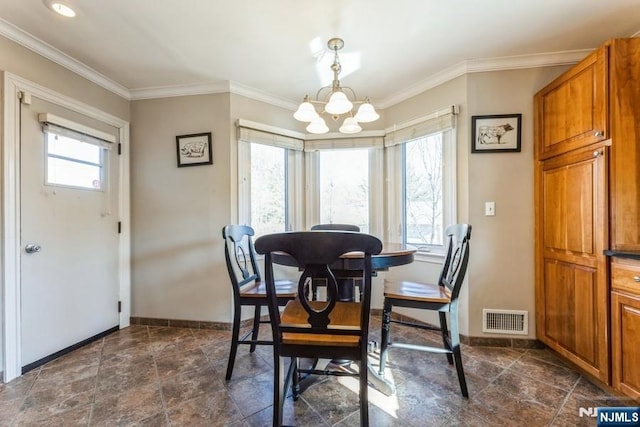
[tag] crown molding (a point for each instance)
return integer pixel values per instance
(489, 64)
(179, 90)
(259, 95)
(25, 39)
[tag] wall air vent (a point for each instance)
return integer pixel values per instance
(505, 321)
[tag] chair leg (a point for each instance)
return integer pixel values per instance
(256, 327)
(364, 392)
(457, 355)
(235, 333)
(295, 385)
(278, 388)
(385, 338)
(445, 336)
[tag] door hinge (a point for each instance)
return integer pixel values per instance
(119, 148)
(119, 227)
(119, 306)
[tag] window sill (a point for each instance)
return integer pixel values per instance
(430, 257)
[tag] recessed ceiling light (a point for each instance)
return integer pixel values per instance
(60, 8)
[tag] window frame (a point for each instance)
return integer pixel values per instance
(255, 133)
(442, 121)
(376, 184)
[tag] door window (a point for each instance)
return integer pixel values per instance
(74, 163)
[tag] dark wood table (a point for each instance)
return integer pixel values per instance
(350, 265)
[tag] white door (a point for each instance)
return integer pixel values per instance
(69, 235)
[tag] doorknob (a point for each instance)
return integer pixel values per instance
(32, 248)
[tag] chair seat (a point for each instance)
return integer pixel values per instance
(284, 288)
(345, 315)
(415, 291)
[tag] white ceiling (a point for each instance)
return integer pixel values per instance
(271, 48)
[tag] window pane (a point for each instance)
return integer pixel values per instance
(74, 174)
(74, 163)
(344, 187)
(268, 183)
(72, 148)
(423, 191)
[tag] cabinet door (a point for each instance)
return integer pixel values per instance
(625, 148)
(571, 112)
(625, 339)
(572, 296)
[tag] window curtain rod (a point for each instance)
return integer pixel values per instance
(68, 128)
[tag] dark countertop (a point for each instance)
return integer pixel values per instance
(622, 254)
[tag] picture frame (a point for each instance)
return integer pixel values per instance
(194, 149)
(496, 133)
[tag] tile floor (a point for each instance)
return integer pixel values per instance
(155, 376)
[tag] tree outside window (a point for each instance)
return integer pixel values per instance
(423, 210)
(268, 189)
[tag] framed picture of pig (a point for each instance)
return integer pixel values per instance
(194, 149)
(497, 133)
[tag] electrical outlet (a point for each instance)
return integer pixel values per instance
(489, 208)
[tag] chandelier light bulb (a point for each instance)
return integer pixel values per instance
(338, 103)
(318, 126)
(305, 112)
(366, 113)
(350, 125)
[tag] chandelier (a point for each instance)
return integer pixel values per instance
(335, 102)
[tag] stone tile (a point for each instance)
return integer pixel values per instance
(502, 409)
(215, 408)
(181, 362)
(50, 398)
(127, 408)
(523, 388)
(75, 417)
(334, 399)
(294, 414)
(116, 379)
(165, 341)
(253, 394)
(182, 387)
(543, 371)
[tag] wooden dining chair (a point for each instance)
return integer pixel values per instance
(328, 329)
(441, 297)
(319, 282)
(248, 287)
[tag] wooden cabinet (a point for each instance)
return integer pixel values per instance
(571, 112)
(625, 326)
(572, 296)
(624, 93)
(587, 190)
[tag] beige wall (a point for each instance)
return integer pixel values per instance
(178, 267)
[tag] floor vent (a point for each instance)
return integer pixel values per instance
(505, 321)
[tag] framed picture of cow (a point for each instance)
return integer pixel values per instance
(194, 149)
(497, 133)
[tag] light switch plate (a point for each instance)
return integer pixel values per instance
(489, 208)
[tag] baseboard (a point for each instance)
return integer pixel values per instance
(223, 326)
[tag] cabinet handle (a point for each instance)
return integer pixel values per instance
(597, 153)
(598, 133)
(636, 278)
